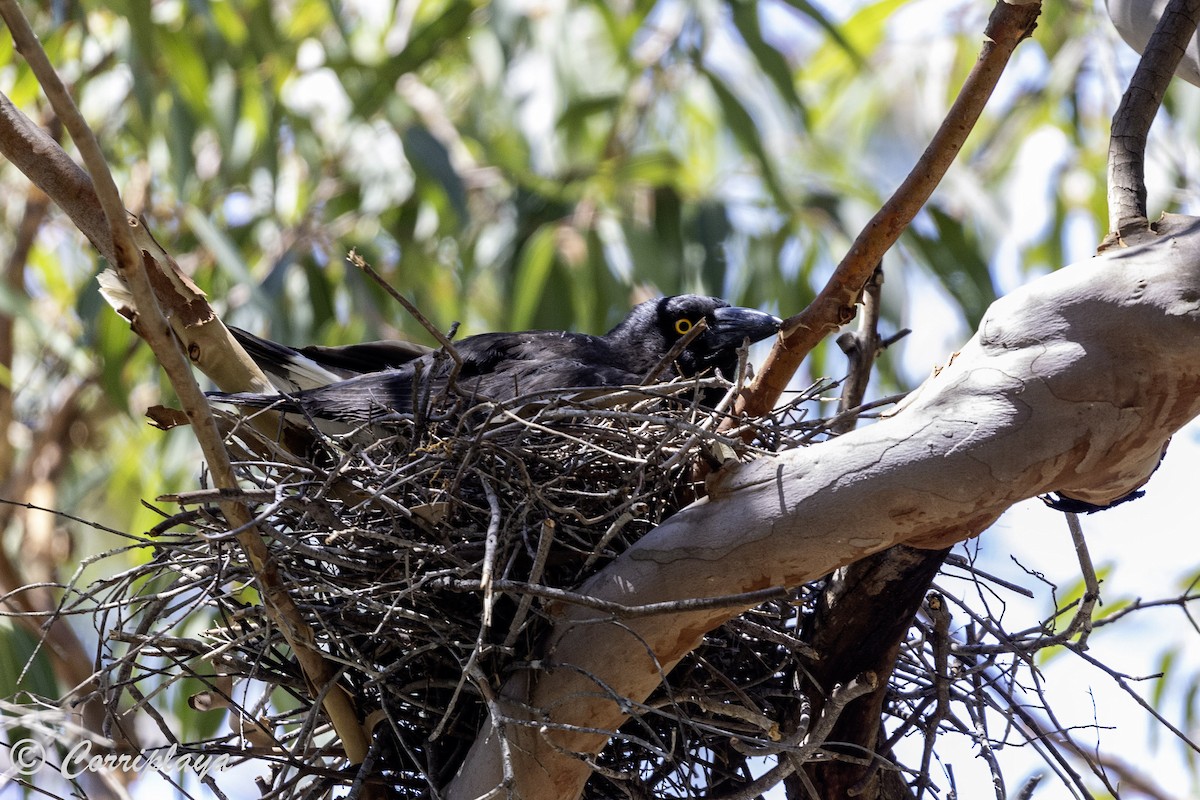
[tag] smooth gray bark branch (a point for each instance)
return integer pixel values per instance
(1131, 124)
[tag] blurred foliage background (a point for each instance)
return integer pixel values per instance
(530, 163)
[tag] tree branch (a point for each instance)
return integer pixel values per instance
(48, 167)
(208, 344)
(834, 305)
(1127, 216)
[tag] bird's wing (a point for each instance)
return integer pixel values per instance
(297, 369)
(359, 359)
(503, 366)
(288, 369)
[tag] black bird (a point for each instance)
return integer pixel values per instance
(501, 366)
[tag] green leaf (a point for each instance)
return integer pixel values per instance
(1166, 662)
(574, 119)
(429, 157)
(864, 32)
(533, 271)
(741, 123)
(832, 28)
(218, 243)
(229, 22)
(423, 45)
(770, 60)
(189, 74)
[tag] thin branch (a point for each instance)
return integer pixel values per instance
(1122, 681)
(545, 539)
(1081, 623)
(861, 348)
(1009, 24)
(619, 610)
(675, 351)
(491, 540)
(808, 741)
(47, 165)
(358, 261)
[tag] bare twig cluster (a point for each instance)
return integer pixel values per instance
(964, 672)
(425, 554)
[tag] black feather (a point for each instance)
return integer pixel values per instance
(501, 366)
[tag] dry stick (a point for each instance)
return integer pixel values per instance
(861, 348)
(675, 352)
(619, 610)
(939, 613)
(1131, 124)
(545, 539)
(1081, 623)
(46, 164)
(491, 541)
(358, 261)
(809, 740)
(834, 306)
(155, 329)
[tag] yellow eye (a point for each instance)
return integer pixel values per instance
(682, 326)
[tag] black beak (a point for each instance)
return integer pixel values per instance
(733, 325)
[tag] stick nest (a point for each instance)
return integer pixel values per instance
(423, 553)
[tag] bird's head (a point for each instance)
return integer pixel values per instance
(667, 320)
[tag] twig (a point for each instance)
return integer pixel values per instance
(358, 261)
(958, 561)
(1123, 682)
(545, 539)
(808, 741)
(623, 611)
(36, 154)
(977, 712)
(939, 613)
(676, 350)
(499, 721)
(860, 347)
(1082, 621)
(491, 541)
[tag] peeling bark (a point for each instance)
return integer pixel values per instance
(1074, 383)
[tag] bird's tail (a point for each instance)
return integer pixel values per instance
(276, 402)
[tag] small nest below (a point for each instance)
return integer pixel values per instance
(422, 553)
